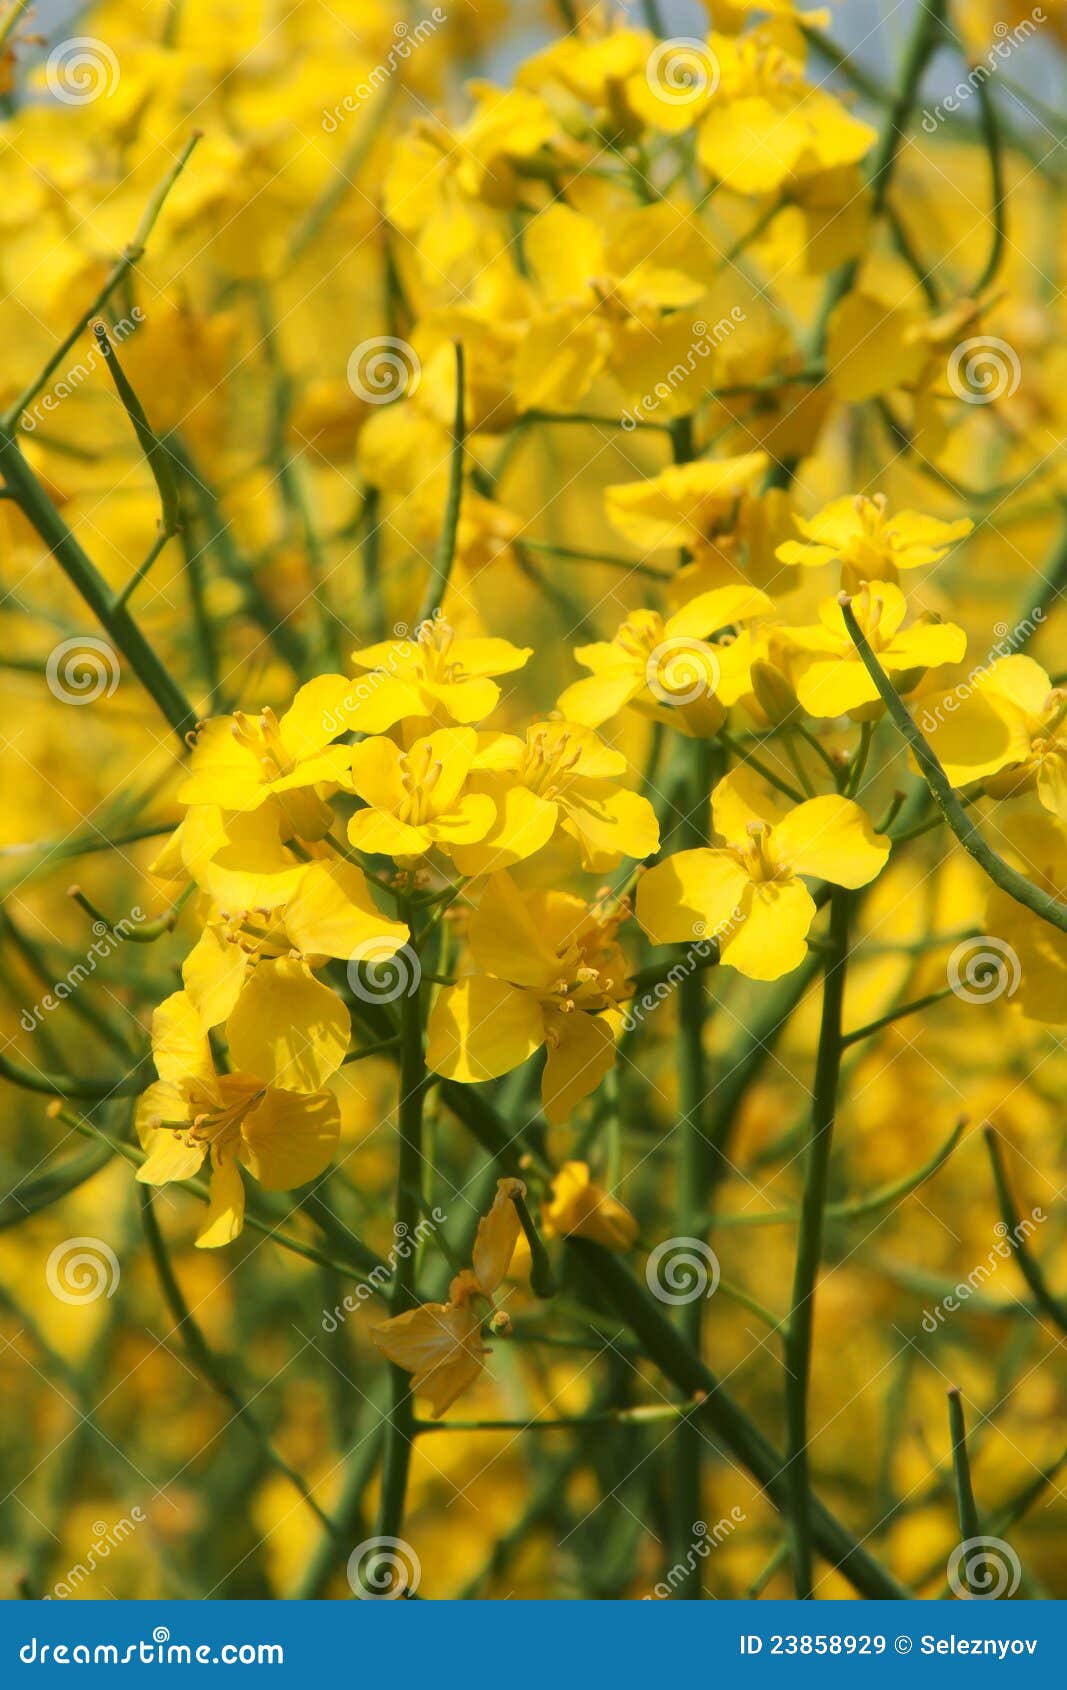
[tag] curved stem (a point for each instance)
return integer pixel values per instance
(1016, 885)
(1049, 1303)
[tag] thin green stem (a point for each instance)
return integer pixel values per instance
(1014, 1227)
(121, 269)
(664, 1344)
(809, 1244)
(445, 552)
(888, 1019)
(155, 452)
(1049, 906)
(967, 1508)
(400, 1426)
(202, 1357)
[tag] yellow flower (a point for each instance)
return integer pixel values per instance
(284, 1138)
(870, 544)
(765, 126)
(686, 504)
(828, 673)
(439, 1344)
(748, 894)
(1007, 729)
(437, 676)
(606, 292)
(240, 761)
(580, 1209)
(668, 669)
(560, 775)
(550, 972)
(416, 799)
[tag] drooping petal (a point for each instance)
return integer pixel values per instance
(581, 1050)
(497, 1235)
(438, 1344)
(288, 1028)
(226, 1209)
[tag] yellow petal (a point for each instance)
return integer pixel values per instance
(213, 974)
(741, 798)
(580, 1208)
(771, 938)
(333, 914)
(287, 1028)
(482, 1028)
(689, 896)
(439, 1345)
(226, 1209)
(497, 1235)
(830, 838)
(581, 1050)
(290, 1137)
(179, 1041)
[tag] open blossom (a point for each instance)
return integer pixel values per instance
(417, 799)
(193, 1114)
(560, 776)
(871, 545)
(827, 671)
(668, 668)
(1007, 730)
(550, 972)
(440, 676)
(243, 762)
(749, 892)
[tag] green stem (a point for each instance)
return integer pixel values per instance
(1044, 904)
(80, 570)
(209, 1365)
(743, 755)
(970, 1525)
(147, 438)
(400, 1426)
(1028, 1267)
(809, 1243)
(133, 253)
(664, 1344)
(444, 555)
(895, 1015)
